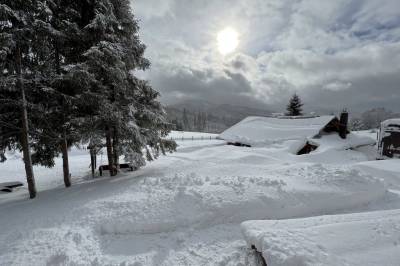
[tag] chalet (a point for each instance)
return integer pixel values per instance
(255, 131)
(389, 139)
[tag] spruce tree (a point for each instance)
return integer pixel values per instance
(294, 108)
(56, 125)
(52, 42)
(60, 31)
(129, 114)
(19, 65)
(185, 120)
(70, 64)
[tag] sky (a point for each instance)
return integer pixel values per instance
(333, 54)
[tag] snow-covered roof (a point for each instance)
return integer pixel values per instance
(394, 121)
(257, 130)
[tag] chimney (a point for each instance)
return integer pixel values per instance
(344, 120)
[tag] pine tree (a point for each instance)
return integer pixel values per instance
(19, 66)
(185, 120)
(195, 122)
(294, 108)
(70, 63)
(129, 114)
(203, 121)
(356, 124)
(60, 34)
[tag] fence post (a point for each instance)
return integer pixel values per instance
(192, 138)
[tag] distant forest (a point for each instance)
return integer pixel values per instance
(190, 119)
(199, 121)
(372, 118)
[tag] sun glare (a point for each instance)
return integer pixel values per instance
(228, 40)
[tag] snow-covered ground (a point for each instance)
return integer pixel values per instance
(186, 208)
(371, 238)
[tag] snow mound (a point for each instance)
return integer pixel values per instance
(266, 130)
(355, 239)
(334, 142)
(198, 201)
(388, 170)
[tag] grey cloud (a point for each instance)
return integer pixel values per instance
(332, 53)
(232, 88)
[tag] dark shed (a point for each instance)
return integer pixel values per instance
(389, 139)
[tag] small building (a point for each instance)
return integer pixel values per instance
(308, 131)
(389, 139)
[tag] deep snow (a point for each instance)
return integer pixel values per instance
(371, 238)
(258, 131)
(183, 209)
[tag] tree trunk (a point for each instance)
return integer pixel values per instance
(64, 143)
(93, 159)
(110, 153)
(24, 133)
(64, 150)
(115, 149)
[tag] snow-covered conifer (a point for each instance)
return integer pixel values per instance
(129, 113)
(294, 108)
(19, 78)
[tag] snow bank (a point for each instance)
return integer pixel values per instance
(328, 143)
(335, 142)
(387, 170)
(356, 239)
(232, 191)
(265, 130)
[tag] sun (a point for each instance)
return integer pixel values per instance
(228, 40)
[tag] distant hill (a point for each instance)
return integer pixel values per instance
(217, 117)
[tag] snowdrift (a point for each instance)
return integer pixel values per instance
(387, 170)
(355, 239)
(334, 142)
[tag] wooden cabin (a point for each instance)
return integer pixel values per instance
(254, 130)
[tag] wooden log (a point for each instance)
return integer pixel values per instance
(11, 184)
(5, 189)
(8, 186)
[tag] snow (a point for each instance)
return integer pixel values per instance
(13, 169)
(393, 121)
(265, 130)
(371, 238)
(387, 170)
(187, 207)
(334, 142)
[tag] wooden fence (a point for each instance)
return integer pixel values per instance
(186, 138)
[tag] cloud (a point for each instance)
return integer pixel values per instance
(152, 9)
(332, 53)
